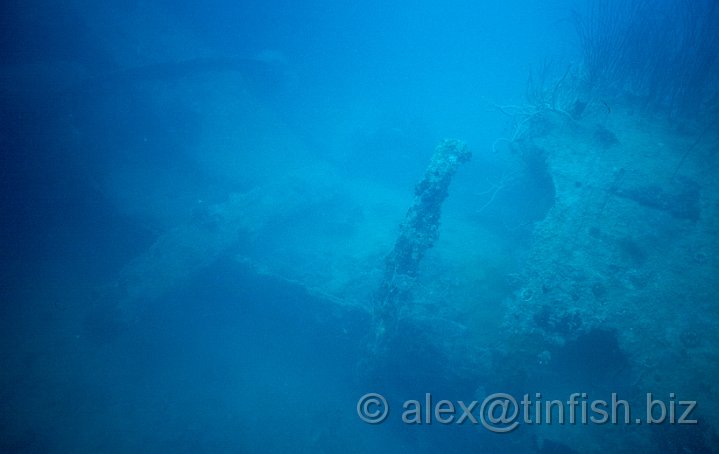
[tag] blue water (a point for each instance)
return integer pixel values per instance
(197, 204)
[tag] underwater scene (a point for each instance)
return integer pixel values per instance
(359, 227)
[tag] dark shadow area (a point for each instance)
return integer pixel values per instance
(683, 438)
(515, 195)
(592, 359)
(554, 447)
(33, 31)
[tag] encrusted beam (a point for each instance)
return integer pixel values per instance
(418, 233)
